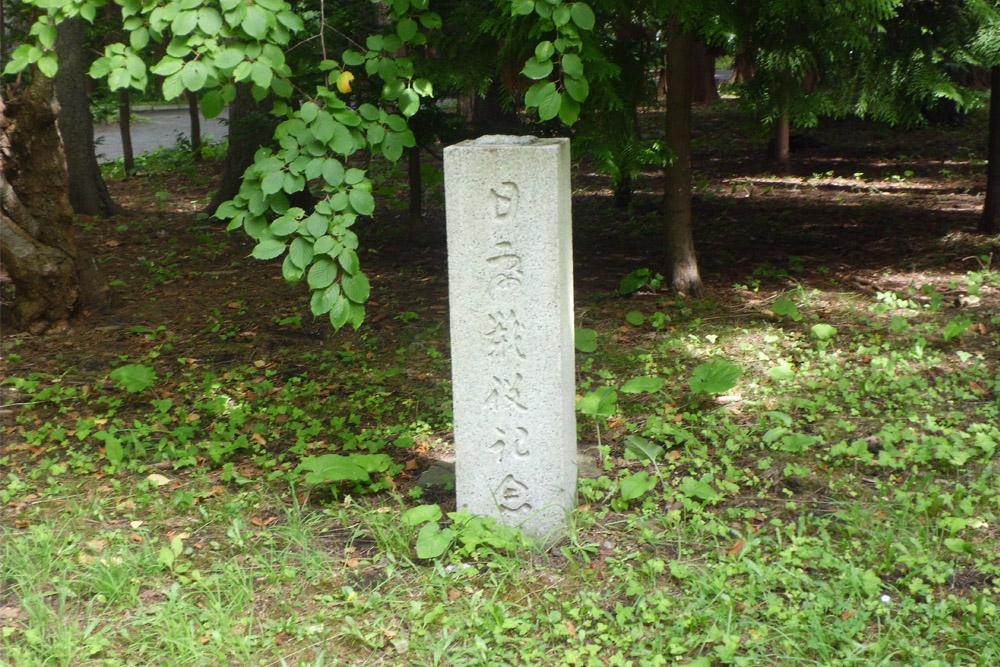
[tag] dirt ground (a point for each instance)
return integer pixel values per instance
(863, 207)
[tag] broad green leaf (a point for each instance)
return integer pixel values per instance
(349, 261)
(361, 201)
(432, 541)
(353, 58)
(785, 307)
(290, 271)
(209, 20)
(641, 449)
(324, 244)
(537, 69)
(113, 450)
(636, 485)
(548, 108)
(255, 22)
(522, 7)
(781, 372)
(569, 109)
(356, 287)
(421, 514)
(823, 331)
(598, 403)
(272, 182)
(409, 102)
(322, 273)
(634, 317)
(283, 226)
(184, 23)
(134, 377)
(300, 252)
(268, 249)
(333, 172)
(958, 545)
(644, 384)
(583, 15)
(194, 75)
(715, 377)
(537, 92)
(138, 38)
(544, 50)
(578, 89)
(423, 87)
(956, 327)
(212, 104)
(406, 29)
(572, 65)
(339, 313)
(585, 340)
(332, 468)
(700, 489)
(322, 300)
(797, 442)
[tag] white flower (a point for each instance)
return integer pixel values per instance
(886, 599)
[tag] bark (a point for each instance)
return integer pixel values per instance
(989, 223)
(125, 127)
(248, 131)
(781, 148)
(52, 278)
(704, 90)
(88, 193)
(682, 261)
(195, 114)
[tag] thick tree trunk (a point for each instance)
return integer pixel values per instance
(990, 222)
(88, 193)
(195, 114)
(52, 278)
(125, 127)
(704, 90)
(249, 129)
(682, 262)
(781, 147)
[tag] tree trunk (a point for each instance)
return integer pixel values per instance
(704, 90)
(125, 126)
(990, 222)
(195, 114)
(52, 277)
(249, 129)
(88, 193)
(781, 147)
(682, 262)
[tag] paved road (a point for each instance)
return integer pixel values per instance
(152, 128)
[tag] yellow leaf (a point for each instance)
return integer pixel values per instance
(158, 479)
(344, 82)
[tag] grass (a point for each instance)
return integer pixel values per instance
(795, 472)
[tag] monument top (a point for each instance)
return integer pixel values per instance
(506, 139)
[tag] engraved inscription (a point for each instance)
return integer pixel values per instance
(512, 441)
(512, 495)
(505, 267)
(503, 337)
(506, 393)
(505, 199)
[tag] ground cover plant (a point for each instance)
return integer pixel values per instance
(800, 468)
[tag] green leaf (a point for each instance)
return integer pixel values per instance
(113, 450)
(797, 442)
(184, 23)
(361, 201)
(823, 331)
(209, 20)
(585, 340)
(958, 545)
(643, 384)
(423, 87)
(212, 104)
(634, 317)
(283, 226)
(300, 252)
(785, 307)
(715, 377)
(134, 377)
(272, 182)
(432, 541)
(599, 403)
(138, 38)
(322, 300)
(956, 327)
(583, 15)
(332, 468)
(548, 108)
(333, 172)
(641, 449)
(421, 514)
(48, 65)
(538, 92)
(356, 287)
(578, 89)
(781, 372)
(406, 29)
(537, 69)
(698, 488)
(353, 58)
(636, 485)
(268, 249)
(167, 66)
(339, 313)
(569, 109)
(522, 7)
(572, 65)
(349, 261)
(255, 22)
(544, 50)
(322, 273)
(290, 271)
(409, 102)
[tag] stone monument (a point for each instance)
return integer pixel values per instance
(510, 273)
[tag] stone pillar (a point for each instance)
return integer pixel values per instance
(510, 277)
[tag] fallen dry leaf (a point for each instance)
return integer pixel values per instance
(848, 613)
(736, 549)
(158, 479)
(454, 594)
